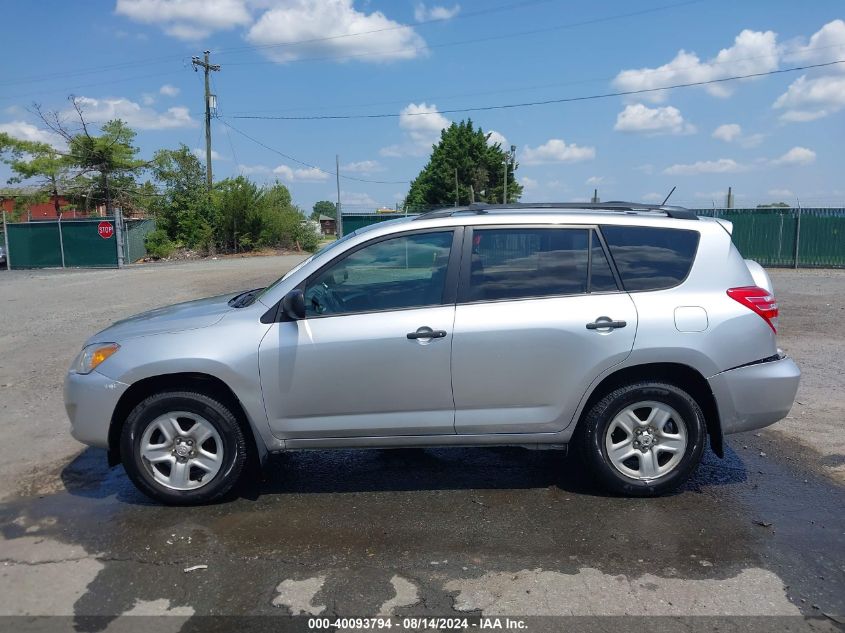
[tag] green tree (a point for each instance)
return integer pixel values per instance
(48, 171)
(480, 170)
(183, 209)
(324, 207)
(237, 213)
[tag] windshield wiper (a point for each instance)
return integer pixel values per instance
(245, 298)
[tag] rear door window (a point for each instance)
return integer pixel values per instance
(519, 263)
(651, 258)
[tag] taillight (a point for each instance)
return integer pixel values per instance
(758, 300)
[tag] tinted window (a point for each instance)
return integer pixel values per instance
(402, 272)
(651, 258)
(601, 279)
(516, 263)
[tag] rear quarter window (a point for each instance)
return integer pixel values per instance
(651, 258)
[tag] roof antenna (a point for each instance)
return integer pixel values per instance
(663, 204)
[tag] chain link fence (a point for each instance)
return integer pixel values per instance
(75, 243)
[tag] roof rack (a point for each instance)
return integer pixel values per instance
(478, 208)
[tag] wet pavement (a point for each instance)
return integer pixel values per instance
(481, 531)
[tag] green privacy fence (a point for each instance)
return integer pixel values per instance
(807, 237)
(88, 243)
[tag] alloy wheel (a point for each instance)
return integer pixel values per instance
(181, 450)
(646, 440)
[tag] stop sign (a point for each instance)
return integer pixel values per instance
(105, 229)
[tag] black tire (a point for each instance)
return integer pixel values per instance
(593, 427)
(214, 412)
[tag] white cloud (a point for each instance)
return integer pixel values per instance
(422, 122)
(811, 99)
(134, 114)
(594, 180)
(825, 44)
(147, 98)
(557, 151)
(727, 132)
(653, 197)
(752, 52)
(528, 183)
(646, 168)
(494, 137)
(422, 125)
(24, 131)
(721, 166)
(169, 90)
(199, 152)
(322, 28)
(640, 118)
(730, 132)
(187, 19)
(302, 174)
(422, 13)
(362, 167)
(796, 156)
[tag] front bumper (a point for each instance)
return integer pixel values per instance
(755, 396)
(90, 400)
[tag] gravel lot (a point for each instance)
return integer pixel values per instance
(436, 532)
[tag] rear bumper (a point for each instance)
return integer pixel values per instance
(755, 396)
(90, 400)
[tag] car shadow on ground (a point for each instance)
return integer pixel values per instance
(391, 470)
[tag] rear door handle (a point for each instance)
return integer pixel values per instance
(426, 332)
(605, 323)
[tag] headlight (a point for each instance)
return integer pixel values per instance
(93, 355)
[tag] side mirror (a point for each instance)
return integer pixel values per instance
(293, 305)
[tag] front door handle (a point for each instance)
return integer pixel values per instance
(605, 323)
(426, 332)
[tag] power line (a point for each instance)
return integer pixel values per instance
(314, 40)
(223, 51)
(606, 95)
(505, 36)
(309, 165)
(557, 84)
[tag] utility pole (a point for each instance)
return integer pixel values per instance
(207, 67)
(509, 159)
(457, 195)
(339, 221)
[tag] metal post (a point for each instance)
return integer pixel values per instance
(505, 188)
(6, 239)
(338, 213)
(797, 232)
(457, 195)
(61, 241)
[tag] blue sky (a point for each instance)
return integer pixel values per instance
(772, 138)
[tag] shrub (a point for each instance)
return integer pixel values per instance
(305, 235)
(158, 245)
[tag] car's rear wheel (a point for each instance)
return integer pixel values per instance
(183, 448)
(644, 439)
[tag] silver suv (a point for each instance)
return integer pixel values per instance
(631, 333)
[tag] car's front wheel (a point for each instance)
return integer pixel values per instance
(183, 448)
(643, 439)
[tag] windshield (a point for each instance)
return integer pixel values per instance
(328, 247)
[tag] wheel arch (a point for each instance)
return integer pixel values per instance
(683, 376)
(196, 381)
